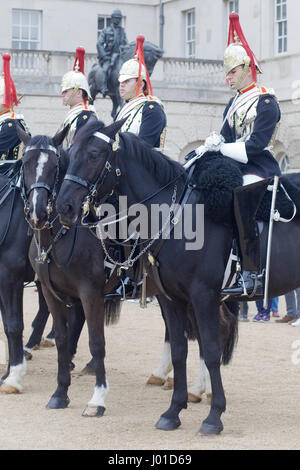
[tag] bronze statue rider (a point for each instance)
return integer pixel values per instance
(111, 40)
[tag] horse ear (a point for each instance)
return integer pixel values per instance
(112, 130)
(59, 136)
(23, 136)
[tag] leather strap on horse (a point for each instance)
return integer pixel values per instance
(46, 278)
(152, 255)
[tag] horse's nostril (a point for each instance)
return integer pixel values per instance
(66, 209)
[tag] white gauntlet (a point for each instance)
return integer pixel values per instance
(235, 150)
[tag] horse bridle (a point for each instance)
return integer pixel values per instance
(52, 191)
(93, 187)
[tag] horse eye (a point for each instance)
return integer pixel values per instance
(94, 154)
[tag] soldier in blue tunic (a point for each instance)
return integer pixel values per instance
(251, 120)
(144, 112)
(10, 144)
(76, 94)
(145, 116)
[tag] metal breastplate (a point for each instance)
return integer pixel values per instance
(134, 120)
(242, 120)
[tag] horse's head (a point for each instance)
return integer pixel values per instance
(91, 166)
(40, 172)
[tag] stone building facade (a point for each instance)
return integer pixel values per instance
(42, 36)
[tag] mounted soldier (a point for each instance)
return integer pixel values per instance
(251, 119)
(76, 94)
(144, 112)
(10, 144)
(111, 40)
(145, 117)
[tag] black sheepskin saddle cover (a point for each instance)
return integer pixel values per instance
(216, 177)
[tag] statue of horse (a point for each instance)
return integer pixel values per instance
(70, 265)
(151, 53)
(192, 278)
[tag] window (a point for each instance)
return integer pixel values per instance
(103, 22)
(281, 26)
(26, 29)
(190, 34)
(233, 6)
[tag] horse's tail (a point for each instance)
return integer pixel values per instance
(229, 312)
(112, 309)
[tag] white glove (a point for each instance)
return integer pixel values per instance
(213, 142)
(200, 150)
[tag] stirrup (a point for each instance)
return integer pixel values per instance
(257, 279)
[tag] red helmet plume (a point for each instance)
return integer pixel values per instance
(79, 60)
(10, 94)
(139, 53)
(236, 34)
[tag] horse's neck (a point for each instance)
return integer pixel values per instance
(141, 186)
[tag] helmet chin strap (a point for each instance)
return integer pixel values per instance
(131, 94)
(242, 77)
(67, 103)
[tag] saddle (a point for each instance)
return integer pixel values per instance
(216, 178)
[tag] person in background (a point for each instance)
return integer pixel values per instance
(292, 316)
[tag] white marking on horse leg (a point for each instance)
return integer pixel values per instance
(202, 384)
(98, 398)
(15, 375)
(165, 363)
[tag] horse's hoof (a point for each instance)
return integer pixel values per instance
(36, 347)
(92, 411)
(8, 389)
(166, 424)
(208, 429)
(192, 398)
(47, 343)
(209, 397)
(28, 355)
(87, 370)
(169, 384)
(154, 380)
(57, 403)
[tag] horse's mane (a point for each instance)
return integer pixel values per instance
(164, 168)
(84, 134)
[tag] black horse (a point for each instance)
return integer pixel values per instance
(95, 78)
(83, 272)
(191, 284)
(15, 271)
(61, 259)
(190, 278)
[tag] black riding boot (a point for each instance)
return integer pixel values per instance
(247, 200)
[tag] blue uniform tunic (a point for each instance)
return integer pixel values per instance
(261, 162)
(9, 139)
(153, 123)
